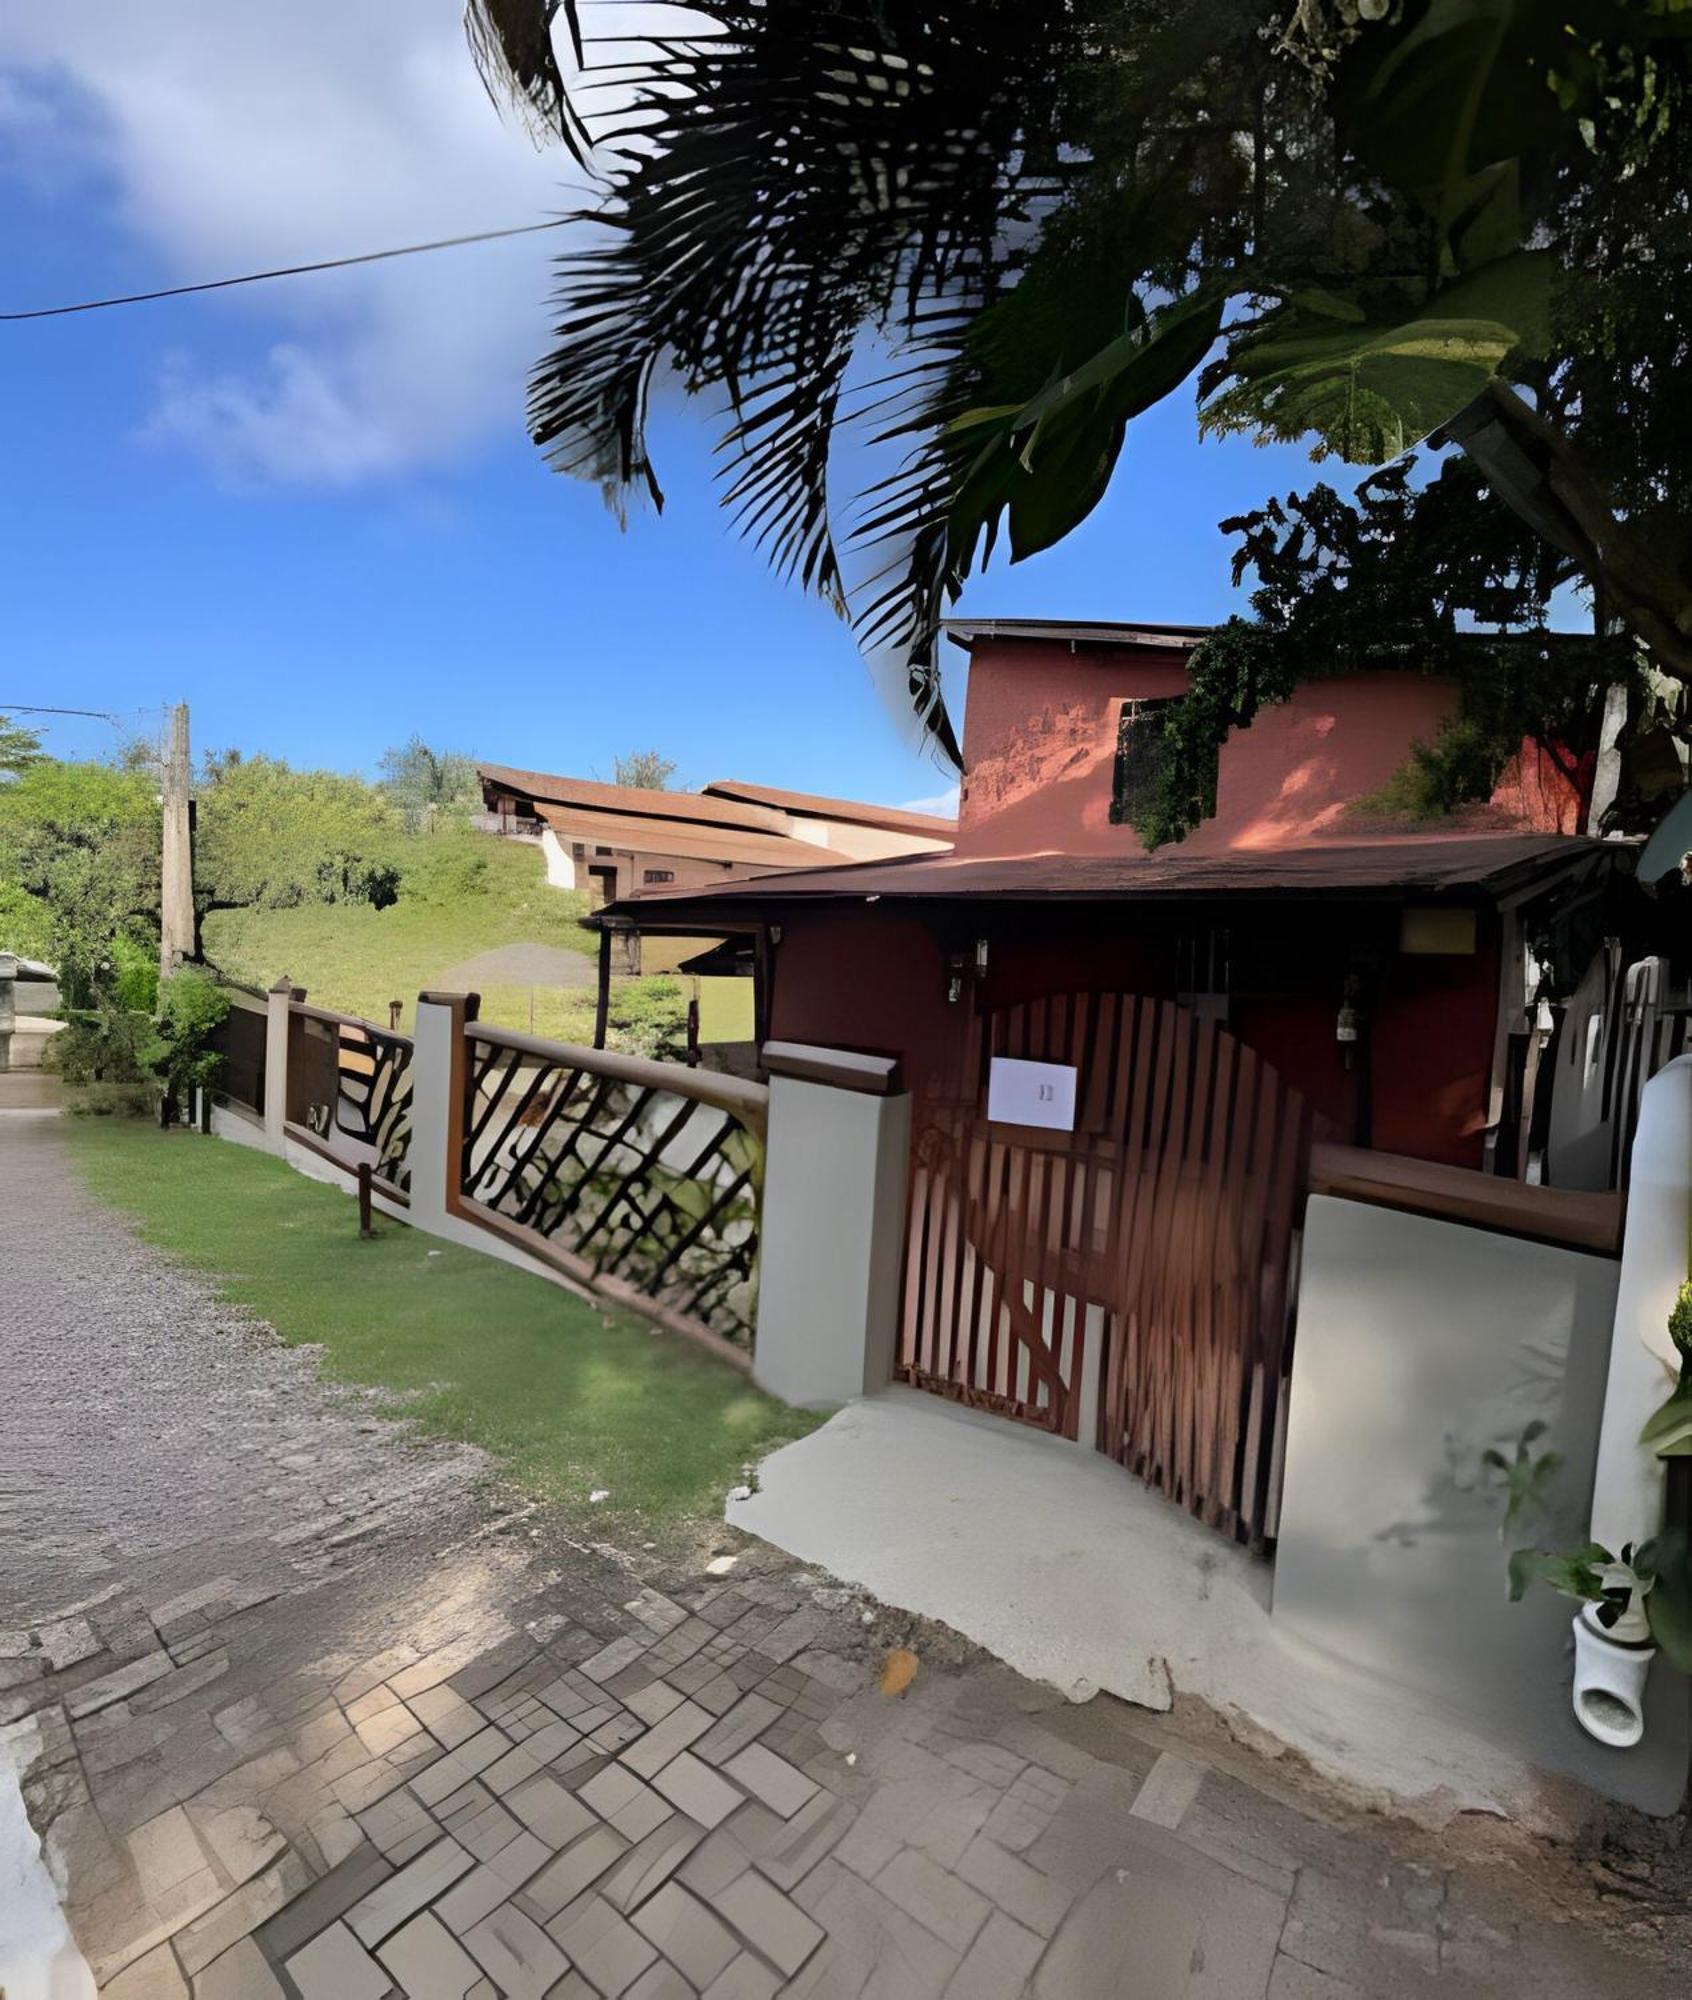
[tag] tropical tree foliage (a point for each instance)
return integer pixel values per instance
(985, 237)
(271, 836)
(20, 747)
(79, 869)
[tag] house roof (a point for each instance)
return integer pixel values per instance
(692, 807)
(644, 834)
(1494, 864)
(1081, 631)
(812, 805)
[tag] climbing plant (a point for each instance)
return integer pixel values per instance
(1437, 579)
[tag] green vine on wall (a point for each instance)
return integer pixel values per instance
(1439, 580)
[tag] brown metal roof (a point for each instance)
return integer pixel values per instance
(1495, 863)
(642, 834)
(1080, 631)
(812, 805)
(547, 786)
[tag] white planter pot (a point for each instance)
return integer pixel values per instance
(1609, 1685)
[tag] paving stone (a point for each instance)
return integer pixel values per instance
(521, 1859)
(652, 1702)
(241, 1840)
(1292, 1980)
(408, 1890)
(787, 1850)
(335, 1966)
(1169, 1790)
(572, 1873)
(1026, 1810)
(612, 1659)
(517, 1955)
(1166, 1922)
(770, 1921)
(95, 1695)
(758, 1770)
(394, 1726)
(695, 1789)
(952, 1910)
(348, 1882)
(872, 1946)
(398, 1826)
(447, 1716)
(166, 1851)
(434, 1668)
(472, 1898)
(517, 1764)
(743, 1723)
(428, 1962)
(154, 1976)
(651, 1862)
(617, 1731)
(548, 1809)
(68, 1641)
(489, 1831)
(714, 1864)
(660, 1982)
(682, 1726)
(240, 1973)
(1012, 1886)
(611, 1953)
(550, 1739)
(999, 1963)
(238, 1914)
(686, 1933)
(748, 1978)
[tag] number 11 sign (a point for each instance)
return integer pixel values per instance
(1031, 1093)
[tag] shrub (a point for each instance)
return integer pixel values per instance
(100, 1044)
(111, 1100)
(180, 1054)
(136, 967)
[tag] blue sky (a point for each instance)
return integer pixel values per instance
(309, 508)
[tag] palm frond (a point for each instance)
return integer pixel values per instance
(511, 45)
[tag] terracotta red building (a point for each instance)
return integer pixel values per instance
(1378, 966)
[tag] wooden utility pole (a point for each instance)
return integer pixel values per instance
(176, 888)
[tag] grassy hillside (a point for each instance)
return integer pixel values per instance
(355, 958)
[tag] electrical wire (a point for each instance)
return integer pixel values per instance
(283, 271)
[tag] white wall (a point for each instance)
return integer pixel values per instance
(560, 863)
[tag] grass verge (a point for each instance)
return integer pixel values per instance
(568, 1398)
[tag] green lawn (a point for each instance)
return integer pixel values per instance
(356, 958)
(567, 1397)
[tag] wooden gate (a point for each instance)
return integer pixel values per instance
(1126, 1284)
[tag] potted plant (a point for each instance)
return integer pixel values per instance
(1636, 1602)
(1616, 1637)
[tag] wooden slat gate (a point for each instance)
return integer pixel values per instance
(1129, 1283)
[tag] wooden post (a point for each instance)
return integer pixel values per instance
(176, 882)
(395, 1009)
(364, 1224)
(693, 1032)
(602, 1012)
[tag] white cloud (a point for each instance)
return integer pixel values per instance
(232, 138)
(943, 804)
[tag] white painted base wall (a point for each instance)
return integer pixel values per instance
(560, 865)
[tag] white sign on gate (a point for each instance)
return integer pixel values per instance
(1031, 1093)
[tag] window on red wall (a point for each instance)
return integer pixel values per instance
(1139, 732)
(658, 875)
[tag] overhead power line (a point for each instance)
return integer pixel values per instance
(286, 271)
(97, 714)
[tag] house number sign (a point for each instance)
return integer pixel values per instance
(1031, 1093)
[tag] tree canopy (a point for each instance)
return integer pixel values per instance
(986, 237)
(423, 783)
(646, 770)
(271, 836)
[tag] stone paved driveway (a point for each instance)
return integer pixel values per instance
(319, 1714)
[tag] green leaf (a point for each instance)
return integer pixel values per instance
(1669, 1606)
(1574, 1574)
(1668, 1430)
(1371, 392)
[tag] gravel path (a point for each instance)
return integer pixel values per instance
(149, 1429)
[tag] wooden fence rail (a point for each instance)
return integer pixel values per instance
(639, 1179)
(349, 1094)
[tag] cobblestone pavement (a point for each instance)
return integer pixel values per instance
(307, 1709)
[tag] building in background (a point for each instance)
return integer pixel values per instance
(617, 841)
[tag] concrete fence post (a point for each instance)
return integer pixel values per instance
(831, 1245)
(437, 1107)
(276, 1027)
